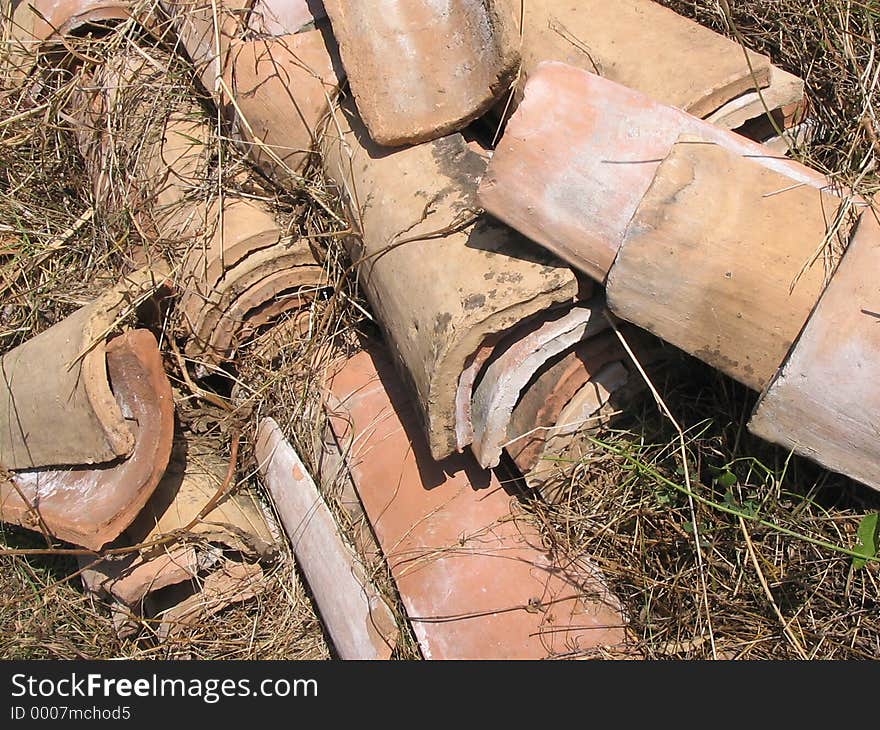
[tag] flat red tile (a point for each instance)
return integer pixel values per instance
(472, 569)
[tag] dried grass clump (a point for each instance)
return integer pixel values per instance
(772, 577)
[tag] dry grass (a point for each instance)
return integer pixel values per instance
(629, 510)
(759, 587)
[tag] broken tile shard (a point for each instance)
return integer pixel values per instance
(440, 278)
(237, 272)
(720, 259)
(356, 616)
(92, 505)
(538, 410)
(129, 578)
(194, 476)
(471, 569)
(420, 70)
(507, 376)
(232, 583)
(278, 94)
(57, 406)
(284, 17)
(572, 180)
(642, 45)
(174, 552)
(823, 402)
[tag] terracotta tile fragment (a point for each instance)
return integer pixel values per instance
(166, 160)
(568, 441)
(246, 275)
(56, 403)
(508, 374)
(823, 402)
(206, 29)
(572, 180)
(284, 17)
(231, 583)
(275, 90)
(240, 271)
(38, 23)
(470, 567)
(357, 618)
(719, 259)
(182, 562)
(464, 425)
(541, 403)
(642, 45)
(420, 69)
(278, 93)
(92, 506)
(128, 579)
(784, 97)
(447, 279)
(194, 475)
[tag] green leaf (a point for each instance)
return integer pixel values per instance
(868, 534)
(726, 479)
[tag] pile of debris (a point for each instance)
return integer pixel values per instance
(522, 288)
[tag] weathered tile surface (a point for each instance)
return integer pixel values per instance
(719, 260)
(474, 574)
(823, 403)
(421, 69)
(440, 278)
(357, 618)
(571, 178)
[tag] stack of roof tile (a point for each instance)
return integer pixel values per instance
(618, 165)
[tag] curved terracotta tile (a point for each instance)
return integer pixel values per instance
(44, 20)
(440, 278)
(278, 94)
(248, 290)
(464, 392)
(231, 583)
(568, 441)
(642, 45)
(509, 373)
(274, 295)
(129, 579)
(824, 400)
(239, 230)
(194, 474)
(720, 259)
(205, 30)
(420, 70)
(284, 17)
(237, 260)
(56, 403)
(275, 91)
(572, 180)
(167, 160)
(92, 506)
(784, 97)
(544, 398)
